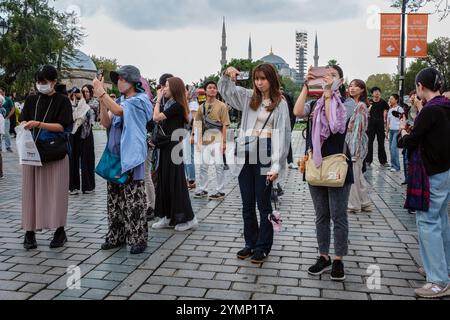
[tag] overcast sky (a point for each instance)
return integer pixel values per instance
(183, 37)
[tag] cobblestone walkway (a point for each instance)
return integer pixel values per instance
(202, 264)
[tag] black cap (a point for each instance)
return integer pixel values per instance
(47, 73)
(130, 74)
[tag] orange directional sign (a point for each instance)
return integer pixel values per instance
(391, 25)
(417, 36)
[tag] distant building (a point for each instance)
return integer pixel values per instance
(282, 66)
(301, 45)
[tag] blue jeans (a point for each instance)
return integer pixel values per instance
(189, 159)
(393, 146)
(434, 231)
(254, 191)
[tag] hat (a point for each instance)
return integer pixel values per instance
(130, 74)
(75, 90)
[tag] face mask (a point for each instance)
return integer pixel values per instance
(44, 88)
(124, 87)
(336, 84)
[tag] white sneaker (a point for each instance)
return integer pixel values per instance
(293, 166)
(74, 192)
(163, 223)
(393, 170)
(187, 226)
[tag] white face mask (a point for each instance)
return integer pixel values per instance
(44, 88)
(124, 86)
(336, 84)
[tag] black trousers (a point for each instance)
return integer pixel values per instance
(82, 157)
(376, 129)
(290, 158)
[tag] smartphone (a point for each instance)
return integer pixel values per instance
(319, 74)
(100, 74)
(243, 76)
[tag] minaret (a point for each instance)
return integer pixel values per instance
(250, 48)
(223, 62)
(316, 53)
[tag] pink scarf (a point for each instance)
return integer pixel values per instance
(322, 129)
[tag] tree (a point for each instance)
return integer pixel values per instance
(442, 7)
(244, 65)
(410, 77)
(290, 87)
(385, 82)
(333, 62)
(212, 77)
(439, 57)
(105, 64)
(38, 35)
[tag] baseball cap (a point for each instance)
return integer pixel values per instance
(130, 74)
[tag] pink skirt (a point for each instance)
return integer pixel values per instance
(45, 195)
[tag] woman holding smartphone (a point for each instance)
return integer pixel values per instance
(330, 114)
(265, 133)
(173, 204)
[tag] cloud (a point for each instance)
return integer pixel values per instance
(175, 14)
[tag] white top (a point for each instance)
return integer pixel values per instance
(262, 118)
(193, 107)
(394, 122)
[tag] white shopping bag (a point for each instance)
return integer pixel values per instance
(2, 124)
(26, 148)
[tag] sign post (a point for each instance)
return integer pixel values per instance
(390, 35)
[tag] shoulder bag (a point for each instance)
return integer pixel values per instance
(52, 149)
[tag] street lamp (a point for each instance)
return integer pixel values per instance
(3, 27)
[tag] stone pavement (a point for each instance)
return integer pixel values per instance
(202, 264)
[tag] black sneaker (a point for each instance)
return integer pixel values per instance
(338, 273)
(245, 253)
(322, 265)
(259, 257)
(217, 196)
(30, 241)
(109, 246)
(150, 214)
(138, 248)
(201, 195)
(59, 239)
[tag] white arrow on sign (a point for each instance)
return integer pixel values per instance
(390, 49)
(417, 49)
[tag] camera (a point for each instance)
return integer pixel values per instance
(243, 76)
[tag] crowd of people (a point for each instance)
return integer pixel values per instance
(150, 165)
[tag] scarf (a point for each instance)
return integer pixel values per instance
(322, 129)
(418, 192)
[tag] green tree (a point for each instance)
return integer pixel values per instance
(410, 76)
(439, 57)
(244, 65)
(105, 64)
(385, 82)
(333, 62)
(290, 87)
(38, 35)
(212, 77)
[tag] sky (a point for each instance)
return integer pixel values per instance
(183, 37)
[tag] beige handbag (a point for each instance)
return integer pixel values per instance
(332, 173)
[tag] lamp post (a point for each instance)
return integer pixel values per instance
(403, 53)
(3, 27)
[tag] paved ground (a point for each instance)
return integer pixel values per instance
(201, 264)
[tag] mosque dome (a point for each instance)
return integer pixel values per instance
(277, 61)
(81, 61)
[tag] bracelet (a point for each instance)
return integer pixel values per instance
(104, 93)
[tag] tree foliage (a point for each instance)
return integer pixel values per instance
(105, 64)
(385, 82)
(37, 35)
(442, 7)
